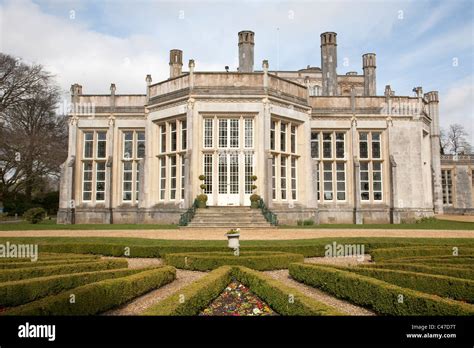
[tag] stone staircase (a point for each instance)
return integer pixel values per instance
(229, 217)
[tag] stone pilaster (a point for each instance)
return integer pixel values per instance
(268, 182)
(433, 110)
(394, 212)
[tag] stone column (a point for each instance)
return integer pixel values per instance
(188, 198)
(109, 184)
(141, 183)
(191, 156)
(268, 182)
(358, 219)
(433, 110)
(395, 213)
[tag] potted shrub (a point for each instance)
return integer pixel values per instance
(254, 201)
(233, 238)
(202, 200)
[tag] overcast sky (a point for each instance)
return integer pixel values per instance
(94, 43)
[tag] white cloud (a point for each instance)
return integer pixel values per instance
(75, 53)
(456, 106)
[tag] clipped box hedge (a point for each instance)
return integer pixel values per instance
(47, 257)
(22, 291)
(403, 252)
(441, 261)
(457, 272)
(285, 300)
(262, 260)
(15, 265)
(98, 297)
(194, 297)
(44, 271)
(375, 294)
(441, 285)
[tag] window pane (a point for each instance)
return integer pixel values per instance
(222, 133)
(339, 145)
(272, 135)
(234, 133)
(315, 145)
(327, 145)
(363, 145)
(183, 135)
(208, 124)
(173, 136)
(101, 144)
(140, 144)
(293, 139)
(282, 136)
(248, 132)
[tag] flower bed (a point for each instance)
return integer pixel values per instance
(283, 299)
(237, 300)
(262, 260)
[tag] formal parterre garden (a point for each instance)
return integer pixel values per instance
(76, 276)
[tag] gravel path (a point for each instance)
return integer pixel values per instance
(318, 295)
(246, 234)
(140, 304)
(137, 262)
(339, 261)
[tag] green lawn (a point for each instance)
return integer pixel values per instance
(379, 241)
(52, 225)
(430, 224)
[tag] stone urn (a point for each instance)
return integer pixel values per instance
(233, 238)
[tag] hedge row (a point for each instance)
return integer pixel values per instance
(47, 257)
(22, 291)
(98, 297)
(457, 272)
(285, 300)
(44, 271)
(441, 285)
(16, 265)
(380, 296)
(395, 253)
(262, 261)
(193, 298)
(444, 261)
(313, 249)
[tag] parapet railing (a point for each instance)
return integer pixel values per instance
(269, 215)
(187, 216)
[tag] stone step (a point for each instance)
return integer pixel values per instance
(227, 223)
(228, 217)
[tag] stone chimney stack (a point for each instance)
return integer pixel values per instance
(76, 91)
(176, 63)
(369, 65)
(329, 63)
(246, 44)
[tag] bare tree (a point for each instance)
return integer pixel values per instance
(456, 140)
(19, 81)
(33, 141)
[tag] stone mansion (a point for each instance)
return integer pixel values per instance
(323, 146)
